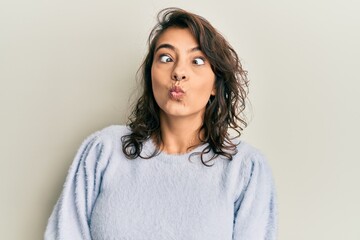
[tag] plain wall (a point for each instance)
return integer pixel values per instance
(67, 68)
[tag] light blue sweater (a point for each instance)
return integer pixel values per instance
(168, 197)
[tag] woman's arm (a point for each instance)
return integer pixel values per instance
(70, 217)
(255, 216)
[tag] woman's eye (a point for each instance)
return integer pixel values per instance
(199, 61)
(165, 58)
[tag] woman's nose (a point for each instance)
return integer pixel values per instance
(178, 77)
(179, 73)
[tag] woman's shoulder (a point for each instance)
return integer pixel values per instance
(107, 137)
(245, 150)
(248, 156)
(114, 130)
(250, 163)
(111, 132)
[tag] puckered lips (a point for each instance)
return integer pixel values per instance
(176, 93)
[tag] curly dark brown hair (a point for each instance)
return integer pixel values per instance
(223, 111)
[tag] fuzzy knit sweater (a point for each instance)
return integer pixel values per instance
(168, 197)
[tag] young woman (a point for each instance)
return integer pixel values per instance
(174, 172)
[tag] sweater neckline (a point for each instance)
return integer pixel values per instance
(150, 146)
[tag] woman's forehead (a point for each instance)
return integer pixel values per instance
(175, 37)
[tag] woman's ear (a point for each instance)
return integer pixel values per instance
(213, 91)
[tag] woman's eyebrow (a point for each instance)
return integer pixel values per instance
(197, 48)
(169, 46)
(165, 45)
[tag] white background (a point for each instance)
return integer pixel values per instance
(67, 68)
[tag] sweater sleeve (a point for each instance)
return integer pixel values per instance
(255, 216)
(71, 214)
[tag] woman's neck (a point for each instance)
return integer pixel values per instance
(179, 135)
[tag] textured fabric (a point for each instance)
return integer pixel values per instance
(168, 197)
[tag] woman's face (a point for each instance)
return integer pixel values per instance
(182, 78)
